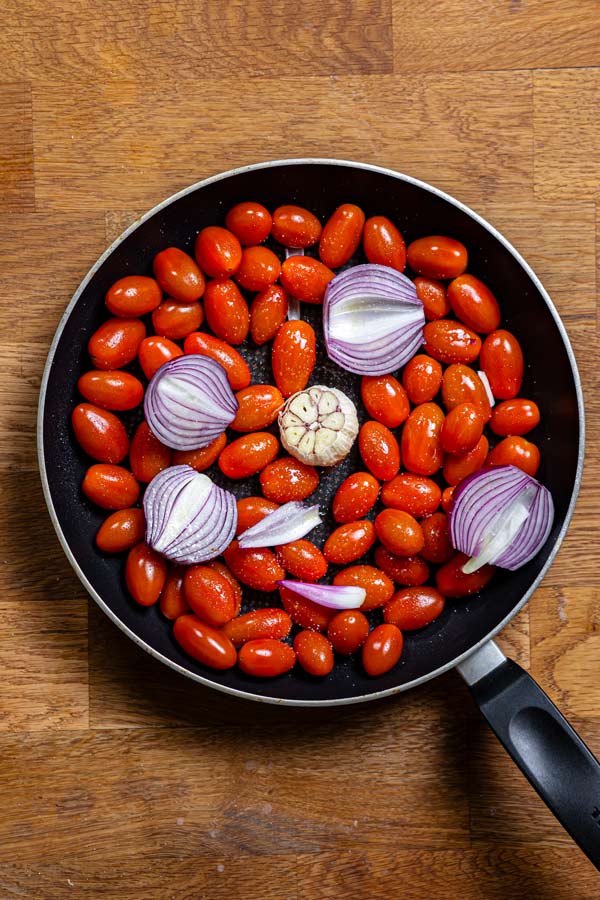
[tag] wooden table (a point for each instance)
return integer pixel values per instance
(119, 779)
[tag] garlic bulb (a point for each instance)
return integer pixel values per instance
(318, 425)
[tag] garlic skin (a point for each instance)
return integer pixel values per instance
(318, 425)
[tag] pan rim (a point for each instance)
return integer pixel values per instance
(201, 679)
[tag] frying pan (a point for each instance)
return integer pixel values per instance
(541, 742)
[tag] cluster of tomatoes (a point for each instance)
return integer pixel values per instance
(430, 422)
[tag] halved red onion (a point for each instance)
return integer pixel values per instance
(189, 519)
(500, 515)
(372, 319)
(293, 312)
(290, 522)
(189, 402)
(335, 596)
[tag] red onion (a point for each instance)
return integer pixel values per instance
(332, 595)
(189, 519)
(189, 402)
(372, 319)
(290, 522)
(500, 515)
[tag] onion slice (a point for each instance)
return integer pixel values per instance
(333, 596)
(290, 522)
(500, 515)
(293, 312)
(372, 319)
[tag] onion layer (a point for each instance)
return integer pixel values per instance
(290, 522)
(334, 596)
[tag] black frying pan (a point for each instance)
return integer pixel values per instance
(538, 738)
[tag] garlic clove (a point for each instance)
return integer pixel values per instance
(318, 425)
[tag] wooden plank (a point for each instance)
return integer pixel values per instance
(16, 147)
(514, 640)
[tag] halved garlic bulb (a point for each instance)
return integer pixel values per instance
(318, 425)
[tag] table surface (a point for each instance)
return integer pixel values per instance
(120, 779)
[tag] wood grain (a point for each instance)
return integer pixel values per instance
(16, 147)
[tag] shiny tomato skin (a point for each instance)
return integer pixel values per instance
(414, 494)
(432, 295)
(452, 582)
(447, 495)
(314, 653)
(267, 622)
(115, 343)
(295, 227)
(258, 407)
(251, 511)
(382, 649)
(287, 479)
(383, 244)
(248, 454)
(437, 548)
(145, 574)
(422, 378)
(411, 571)
(474, 304)
(341, 235)
(385, 399)
(236, 587)
(347, 631)
(112, 390)
(460, 466)
(413, 607)
(502, 361)
(226, 311)
(236, 368)
(100, 433)
(516, 451)
(355, 497)
(437, 257)
(154, 352)
(451, 342)
(378, 586)
(210, 646)
(178, 275)
(121, 530)
(462, 428)
(147, 456)
(266, 658)
(305, 278)
(293, 356)
(257, 567)
(133, 295)
(349, 542)
(379, 450)
(209, 595)
(304, 612)
(422, 451)
(399, 532)
(202, 459)
(258, 270)
(250, 222)
(267, 313)
(175, 319)
(110, 486)
(218, 252)
(514, 417)
(302, 560)
(460, 384)
(172, 602)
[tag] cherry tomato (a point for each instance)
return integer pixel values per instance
(516, 451)
(447, 495)
(378, 586)
(502, 361)
(248, 454)
(379, 450)
(514, 417)
(314, 653)
(408, 570)
(178, 275)
(451, 342)
(349, 542)
(256, 567)
(258, 624)
(288, 479)
(203, 642)
(303, 560)
(116, 343)
(294, 226)
(452, 582)
(462, 428)
(266, 658)
(383, 244)
(154, 352)
(100, 433)
(461, 384)
(422, 378)
(464, 464)
(437, 547)
(147, 456)
(399, 532)
(172, 600)
(218, 252)
(259, 269)
(111, 390)
(422, 450)
(175, 319)
(209, 595)
(200, 459)
(121, 530)
(348, 630)
(236, 368)
(413, 607)
(341, 235)
(111, 487)
(304, 612)
(474, 304)
(432, 295)
(356, 495)
(226, 311)
(267, 313)
(258, 407)
(249, 222)
(251, 510)
(385, 399)
(382, 649)
(134, 295)
(236, 587)
(414, 494)
(294, 356)
(305, 278)
(145, 574)
(437, 257)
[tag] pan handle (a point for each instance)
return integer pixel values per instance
(540, 740)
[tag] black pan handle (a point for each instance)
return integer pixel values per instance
(541, 742)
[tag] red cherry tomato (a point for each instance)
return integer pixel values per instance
(218, 252)
(267, 313)
(385, 399)
(383, 244)
(305, 278)
(258, 624)
(304, 612)
(413, 607)
(356, 495)
(474, 304)
(314, 653)
(172, 602)
(258, 407)
(422, 450)
(502, 361)
(266, 658)
(288, 479)
(432, 295)
(175, 319)
(415, 494)
(382, 649)
(111, 487)
(294, 356)
(461, 384)
(147, 456)
(249, 222)
(257, 568)
(512, 417)
(437, 257)
(248, 454)
(115, 343)
(111, 390)
(226, 311)
(236, 367)
(209, 595)
(154, 352)
(236, 587)
(451, 342)
(377, 585)
(399, 532)
(422, 378)
(200, 459)
(259, 269)
(121, 530)
(447, 495)
(462, 428)
(134, 295)
(464, 464)
(145, 574)
(303, 560)
(349, 542)
(437, 547)
(379, 450)
(251, 510)
(341, 235)
(408, 570)
(100, 433)
(178, 275)
(516, 451)
(348, 630)
(208, 645)
(296, 227)
(452, 582)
